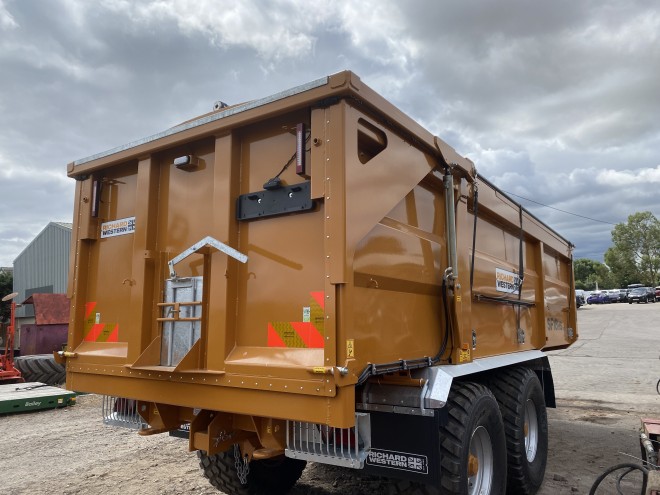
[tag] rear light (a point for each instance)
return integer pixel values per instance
(301, 166)
(186, 162)
(96, 197)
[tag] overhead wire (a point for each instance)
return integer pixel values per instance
(558, 209)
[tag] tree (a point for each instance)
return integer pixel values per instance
(624, 270)
(588, 273)
(6, 287)
(636, 249)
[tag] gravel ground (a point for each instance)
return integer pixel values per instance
(604, 385)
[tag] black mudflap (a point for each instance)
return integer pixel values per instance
(405, 446)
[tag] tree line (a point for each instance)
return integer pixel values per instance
(634, 257)
(6, 284)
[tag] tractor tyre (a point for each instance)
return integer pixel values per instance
(522, 404)
(472, 443)
(269, 476)
(41, 368)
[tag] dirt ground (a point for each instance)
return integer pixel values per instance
(602, 388)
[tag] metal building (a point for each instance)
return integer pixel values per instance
(42, 267)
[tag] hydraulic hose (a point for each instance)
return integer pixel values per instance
(629, 469)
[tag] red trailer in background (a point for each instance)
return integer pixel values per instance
(46, 335)
(36, 394)
(49, 331)
(8, 373)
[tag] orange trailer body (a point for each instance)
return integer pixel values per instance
(195, 288)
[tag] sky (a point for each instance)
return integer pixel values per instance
(556, 102)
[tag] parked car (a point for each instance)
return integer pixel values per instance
(612, 295)
(579, 298)
(623, 295)
(651, 293)
(598, 298)
(657, 292)
(638, 295)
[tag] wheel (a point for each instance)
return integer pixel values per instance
(522, 404)
(269, 476)
(41, 368)
(472, 443)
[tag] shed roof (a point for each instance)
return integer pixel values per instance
(61, 226)
(50, 309)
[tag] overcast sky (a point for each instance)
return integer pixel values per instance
(558, 101)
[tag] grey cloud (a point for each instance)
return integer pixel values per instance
(556, 101)
(545, 70)
(7, 20)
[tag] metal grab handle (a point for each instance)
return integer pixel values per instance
(206, 242)
(174, 308)
(196, 318)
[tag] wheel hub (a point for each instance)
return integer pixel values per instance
(473, 465)
(480, 463)
(531, 430)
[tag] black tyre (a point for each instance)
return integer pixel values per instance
(472, 443)
(41, 368)
(522, 404)
(269, 476)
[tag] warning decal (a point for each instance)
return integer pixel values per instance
(96, 331)
(463, 355)
(303, 334)
(350, 348)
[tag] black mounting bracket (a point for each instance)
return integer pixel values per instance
(267, 203)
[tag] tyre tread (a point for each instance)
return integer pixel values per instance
(41, 368)
(508, 389)
(461, 399)
(220, 470)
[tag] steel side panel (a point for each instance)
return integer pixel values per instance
(286, 262)
(338, 411)
(394, 250)
(370, 254)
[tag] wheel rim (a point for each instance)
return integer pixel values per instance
(481, 469)
(531, 430)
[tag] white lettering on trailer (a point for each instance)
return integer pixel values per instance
(398, 460)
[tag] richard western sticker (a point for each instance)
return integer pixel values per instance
(121, 226)
(506, 281)
(398, 460)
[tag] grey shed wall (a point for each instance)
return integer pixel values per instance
(43, 266)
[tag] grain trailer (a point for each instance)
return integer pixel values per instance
(314, 276)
